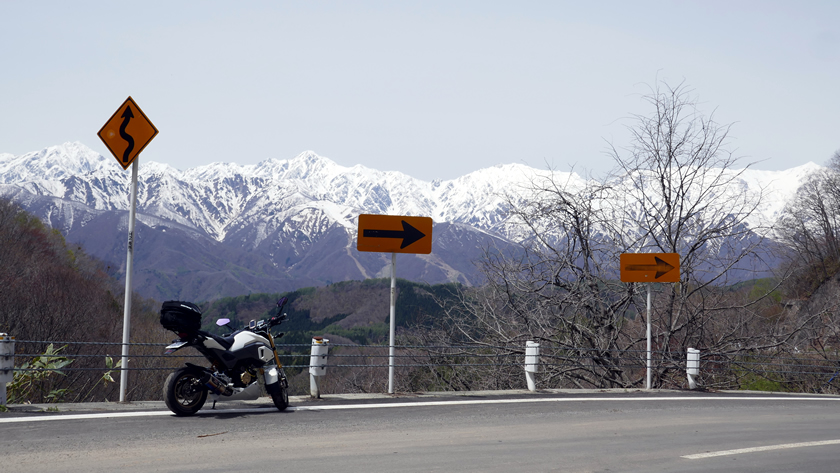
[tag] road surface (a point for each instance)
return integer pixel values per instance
(598, 432)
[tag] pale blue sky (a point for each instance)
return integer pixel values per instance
(431, 89)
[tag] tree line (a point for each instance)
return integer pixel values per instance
(53, 294)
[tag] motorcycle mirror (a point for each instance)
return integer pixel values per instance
(282, 301)
(222, 322)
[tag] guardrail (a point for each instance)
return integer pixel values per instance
(471, 366)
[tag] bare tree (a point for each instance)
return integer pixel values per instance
(810, 229)
(686, 196)
(676, 189)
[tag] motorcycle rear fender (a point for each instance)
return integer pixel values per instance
(175, 346)
(199, 368)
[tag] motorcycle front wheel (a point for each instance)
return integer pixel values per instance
(279, 395)
(183, 392)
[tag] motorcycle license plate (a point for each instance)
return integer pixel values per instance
(171, 348)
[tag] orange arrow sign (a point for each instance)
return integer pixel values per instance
(395, 234)
(650, 267)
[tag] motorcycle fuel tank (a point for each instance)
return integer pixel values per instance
(250, 349)
(245, 338)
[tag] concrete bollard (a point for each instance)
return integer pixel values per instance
(692, 367)
(7, 364)
(317, 365)
(532, 364)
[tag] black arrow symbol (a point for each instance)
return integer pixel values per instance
(661, 267)
(409, 234)
(127, 116)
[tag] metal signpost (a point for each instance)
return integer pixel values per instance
(650, 268)
(126, 133)
(394, 234)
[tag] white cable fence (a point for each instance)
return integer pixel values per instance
(81, 366)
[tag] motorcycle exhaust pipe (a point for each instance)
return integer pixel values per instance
(216, 386)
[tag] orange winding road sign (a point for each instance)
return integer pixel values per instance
(127, 132)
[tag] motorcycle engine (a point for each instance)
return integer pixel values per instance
(246, 378)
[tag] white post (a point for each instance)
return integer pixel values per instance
(317, 365)
(648, 383)
(129, 269)
(7, 364)
(532, 364)
(392, 331)
(692, 367)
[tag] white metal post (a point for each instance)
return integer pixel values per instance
(647, 384)
(692, 367)
(392, 331)
(129, 266)
(7, 364)
(532, 364)
(317, 365)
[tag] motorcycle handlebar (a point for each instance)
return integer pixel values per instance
(276, 320)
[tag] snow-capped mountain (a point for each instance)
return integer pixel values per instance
(225, 229)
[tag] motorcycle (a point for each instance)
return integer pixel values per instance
(242, 363)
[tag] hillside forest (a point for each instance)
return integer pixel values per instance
(66, 314)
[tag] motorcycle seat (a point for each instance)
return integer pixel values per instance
(225, 342)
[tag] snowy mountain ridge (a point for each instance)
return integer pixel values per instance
(215, 197)
(297, 215)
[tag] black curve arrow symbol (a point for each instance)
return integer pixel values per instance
(127, 116)
(661, 267)
(408, 234)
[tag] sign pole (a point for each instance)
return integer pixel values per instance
(129, 267)
(648, 338)
(650, 268)
(391, 350)
(394, 234)
(126, 134)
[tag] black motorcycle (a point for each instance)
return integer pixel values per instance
(243, 364)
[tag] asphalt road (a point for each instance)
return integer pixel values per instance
(513, 432)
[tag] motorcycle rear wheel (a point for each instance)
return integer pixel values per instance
(183, 391)
(279, 395)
